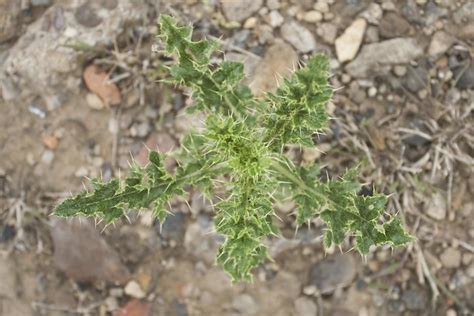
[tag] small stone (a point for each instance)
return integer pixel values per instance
(86, 16)
(273, 4)
(393, 25)
(313, 16)
(82, 254)
(322, 7)
(451, 312)
(111, 303)
(333, 272)
(97, 81)
(134, 308)
(374, 57)
(436, 207)
(245, 304)
(440, 43)
(414, 299)
(275, 18)
(328, 32)
(310, 290)
(250, 23)
(373, 14)
(298, 36)
(133, 289)
(388, 5)
(94, 102)
(305, 307)
(422, 94)
(50, 141)
(140, 129)
(47, 157)
(347, 45)
(465, 76)
(400, 70)
(144, 280)
(279, 61)
(240, 10)
(451, 258)
(372, 92)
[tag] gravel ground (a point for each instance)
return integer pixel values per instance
(404, 77)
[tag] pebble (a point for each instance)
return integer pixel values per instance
(373, 14)
(451, 312)
(313, 16)
(414, 299)
(451, 258)
(245, 304)
(50, 141)
(348, 44)
(273, 4)
(436, 207)
(400, 70)
(134, 308)
(279, 60)
(47, 157)
(328, 32)
(94, 102)
(393, 25)
(133, 289)
(275, 18)
(440, 43)
(82, 254)
(305, 307)
(111, 303)
(388, 5)
(321, 6)
(376, 56)
(465, 76)
(140, 129)
(7, 232)
(298, 36)
(333, 272)
(86, 16)
(372, 92)
(250, 23)
(240, 10)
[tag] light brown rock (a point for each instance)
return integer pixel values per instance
(82, 254)
(348, 44)
(280, 60)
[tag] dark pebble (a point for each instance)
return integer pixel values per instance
(173, 227)
(395, 306)
(86, 16)
(7, 233)
(180, 308)
(414, 300)
(464, 76)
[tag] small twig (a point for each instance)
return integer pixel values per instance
(427, 273)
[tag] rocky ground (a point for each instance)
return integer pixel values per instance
(404, 76)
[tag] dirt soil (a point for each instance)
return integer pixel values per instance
(403, 107)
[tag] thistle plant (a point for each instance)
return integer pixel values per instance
(240, 152)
